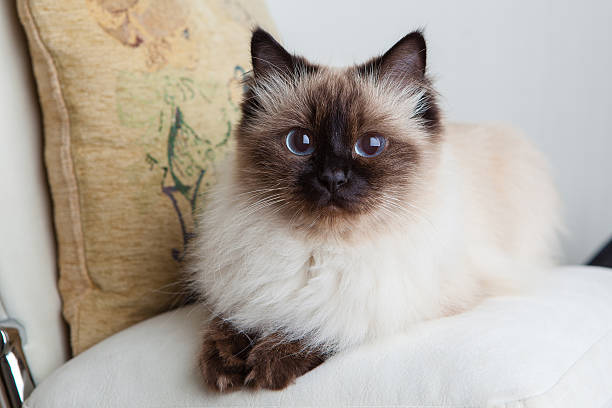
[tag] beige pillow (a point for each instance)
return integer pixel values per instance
(139, 100)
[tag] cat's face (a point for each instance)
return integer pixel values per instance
(332, 149)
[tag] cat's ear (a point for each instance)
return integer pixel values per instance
(268, 56)
(405, 61)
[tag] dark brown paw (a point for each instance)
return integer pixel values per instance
(223, 357)
(271, 374)
(274, 366)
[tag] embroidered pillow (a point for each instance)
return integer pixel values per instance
(139, 99)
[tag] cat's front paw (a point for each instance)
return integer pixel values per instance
(274, 366)
(268, 371)
(223, 357)
(221, 378)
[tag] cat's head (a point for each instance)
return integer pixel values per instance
(337, 150)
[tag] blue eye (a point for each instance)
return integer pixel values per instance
(299, 142)
(370, 145)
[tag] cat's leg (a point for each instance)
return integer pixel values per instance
(223, 356)
(275, 364)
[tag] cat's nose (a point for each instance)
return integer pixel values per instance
(333, 179)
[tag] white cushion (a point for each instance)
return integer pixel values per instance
(550, 347)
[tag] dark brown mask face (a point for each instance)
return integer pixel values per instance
(332, 176)
(330, 146)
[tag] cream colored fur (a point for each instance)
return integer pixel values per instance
(485, 224)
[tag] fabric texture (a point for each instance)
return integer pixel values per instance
(550, 347)
(28, 275)
(139, 99)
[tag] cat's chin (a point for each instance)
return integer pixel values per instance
(335, 207)
(335, 216)
(334, 203)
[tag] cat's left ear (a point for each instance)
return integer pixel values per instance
(268, 56)
(405, 61)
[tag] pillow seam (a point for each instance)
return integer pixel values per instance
(67, 166)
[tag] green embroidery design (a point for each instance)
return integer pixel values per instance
(177, 139)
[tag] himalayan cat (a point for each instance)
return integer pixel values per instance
(350, 211)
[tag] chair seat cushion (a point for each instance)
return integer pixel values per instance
(548, 347)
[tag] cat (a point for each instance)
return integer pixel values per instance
(351, 210)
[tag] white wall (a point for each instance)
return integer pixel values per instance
(544, 66)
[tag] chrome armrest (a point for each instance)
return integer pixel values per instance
(15, 380)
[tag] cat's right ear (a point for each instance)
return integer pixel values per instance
(404, 62)
(268, 56)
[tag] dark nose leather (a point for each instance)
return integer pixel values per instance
(333, 179)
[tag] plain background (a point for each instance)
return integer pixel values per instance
(544, 66)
